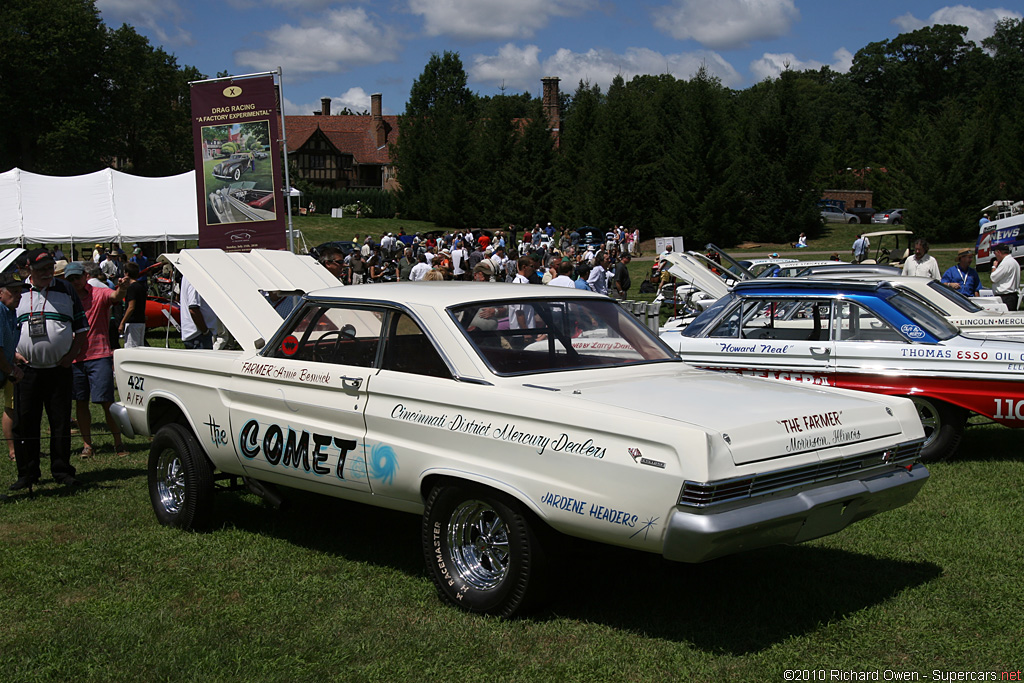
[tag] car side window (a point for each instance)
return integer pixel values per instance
(856, 323)
(408, 349)
(340, 335)
(729, 326)
(786, 319)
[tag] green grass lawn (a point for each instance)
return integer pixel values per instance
(93, 589)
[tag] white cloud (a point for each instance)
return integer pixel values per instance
(980, 23)
(287, 4)
(154, 15)
(520, 68)
(356, 99)
(342, 39)
(493, 19)
(725, 24)
(771, 65)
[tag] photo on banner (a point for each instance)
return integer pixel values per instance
(235, 126)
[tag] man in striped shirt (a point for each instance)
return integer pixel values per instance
(53, 327)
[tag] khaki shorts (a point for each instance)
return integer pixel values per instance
(9, 395)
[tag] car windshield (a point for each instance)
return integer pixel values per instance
(530, 336)
(930, 321)
(954, 296)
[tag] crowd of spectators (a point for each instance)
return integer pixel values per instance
(540, 255)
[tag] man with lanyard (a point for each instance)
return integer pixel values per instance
(53, 329)
(962, 277)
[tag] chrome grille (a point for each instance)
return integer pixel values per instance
(702, 494)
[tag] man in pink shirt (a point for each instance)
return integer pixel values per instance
(93, 369)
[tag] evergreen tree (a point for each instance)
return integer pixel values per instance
(782, 149)
(434, 141)
(527, 174)
(708, 187)
(576, 178)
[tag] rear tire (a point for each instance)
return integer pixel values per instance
(483, 551)
(180, 479)
(944, 427)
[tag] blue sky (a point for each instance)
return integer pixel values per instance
(349, 49)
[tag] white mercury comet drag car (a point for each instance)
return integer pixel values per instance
(504, 415)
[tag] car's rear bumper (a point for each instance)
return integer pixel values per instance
(696, 536)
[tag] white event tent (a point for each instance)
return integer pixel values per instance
(105, 206)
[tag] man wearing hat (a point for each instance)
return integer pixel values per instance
(962, 277)
(11, 288)
(53, 328)
(1005, 276)
(113, 268)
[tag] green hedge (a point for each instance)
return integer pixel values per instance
(381, 203)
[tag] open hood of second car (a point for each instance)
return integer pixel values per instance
(234, 285)
(691, 271)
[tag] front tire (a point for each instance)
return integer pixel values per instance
(482, 550)
(237, 174)
(180, 479)
(944, 427)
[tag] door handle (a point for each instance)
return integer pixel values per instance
(820, 351)
(351, 382)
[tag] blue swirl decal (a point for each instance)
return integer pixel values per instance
(383, 464)
(912, 331)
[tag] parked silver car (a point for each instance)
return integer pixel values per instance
(890, 217)
(833, 214)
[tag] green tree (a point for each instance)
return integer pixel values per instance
(51, 61)
(936, 165)
(1001, 102)
(527, 174)
(699, 188)
(434, 141)
(782, 149)
(84, 96)
(577, 179)
(148, 106)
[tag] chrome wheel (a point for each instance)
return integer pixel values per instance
(478, 541)
(180, 478)
(170, 481)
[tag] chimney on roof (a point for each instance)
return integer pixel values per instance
(325, 106)
(552, 110)
(379, 129)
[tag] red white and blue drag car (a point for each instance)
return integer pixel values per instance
(870, 336)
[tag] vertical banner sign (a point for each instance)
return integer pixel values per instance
(238, 175)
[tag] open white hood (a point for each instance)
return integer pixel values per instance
(232, 283)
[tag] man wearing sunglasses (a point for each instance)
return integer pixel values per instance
(334, 261)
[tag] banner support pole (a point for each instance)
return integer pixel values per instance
(287, 191)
